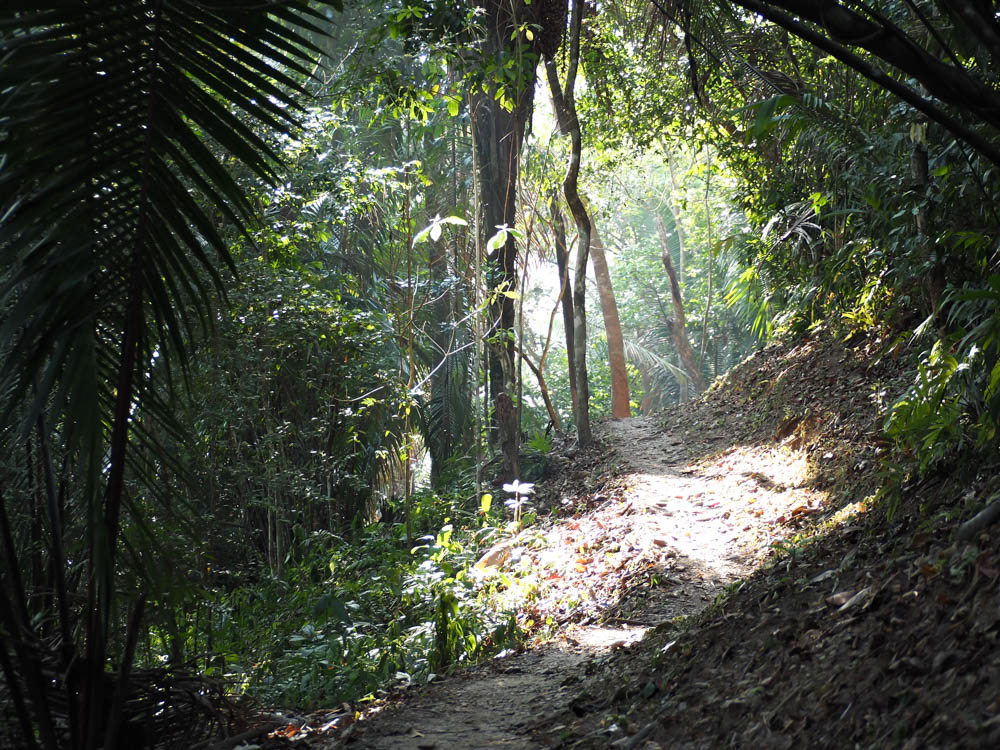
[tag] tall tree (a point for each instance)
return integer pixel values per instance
(564, 104)
(565, 292)
(691, 365)
(514, 33)
(612, 328)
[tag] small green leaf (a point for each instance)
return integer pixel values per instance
(499, 239)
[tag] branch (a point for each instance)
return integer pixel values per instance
(939, 78)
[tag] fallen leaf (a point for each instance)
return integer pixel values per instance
(839, 599)
(823, 576)
(858, 598)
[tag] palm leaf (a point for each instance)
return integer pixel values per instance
(644, 355)
(116, 123)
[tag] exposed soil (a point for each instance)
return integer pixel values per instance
(715, 577)
(655, 542)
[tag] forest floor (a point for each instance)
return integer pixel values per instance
(718, 576)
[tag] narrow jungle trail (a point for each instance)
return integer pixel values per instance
(720, 576)
(661, 542)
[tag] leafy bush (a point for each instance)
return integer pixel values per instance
(954, 402)
(383, 614)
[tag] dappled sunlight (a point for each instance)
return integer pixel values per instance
(763, 493)
(595, 639)
(663, 540)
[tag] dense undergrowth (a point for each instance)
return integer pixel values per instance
(353, 616)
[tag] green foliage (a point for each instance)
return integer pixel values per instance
(381, 614)
(305, 422)
(925, 421)
(123, 133)
(955, 401)
(539, 442)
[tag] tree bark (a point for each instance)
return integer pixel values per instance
(442, 442)
(934, 281)
(566, 294)
(711, 263)
(613, 329)
(509, 431)
(498, 135)
(680, 334)
(499, 114)
(564, 104)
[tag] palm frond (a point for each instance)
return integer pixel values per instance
(119, 124)
(642, 354)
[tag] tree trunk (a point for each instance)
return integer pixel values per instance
(566, 294)
(498, 135)
(646, 405)
(543, 389)
(499, 115)
(680, 334)
(711, 262)
(564, 104)
(509, 431)
(613, 329)
(920, 170)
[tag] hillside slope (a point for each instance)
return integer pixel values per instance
(720, 576)
(859, 631)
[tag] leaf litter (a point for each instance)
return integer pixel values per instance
(713, 578)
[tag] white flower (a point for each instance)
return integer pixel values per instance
(519, 488)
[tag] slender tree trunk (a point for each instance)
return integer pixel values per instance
(613, 329)
(582, 414)
(678, 228)
(543, 389)
(920, 170)
(680, 334)
(564, 103)
(711, 263)
(441, 445)
(646, 405)
(445, 436)
(566, 294)
(708, 309)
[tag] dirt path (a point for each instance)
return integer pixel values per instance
(661, 546)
